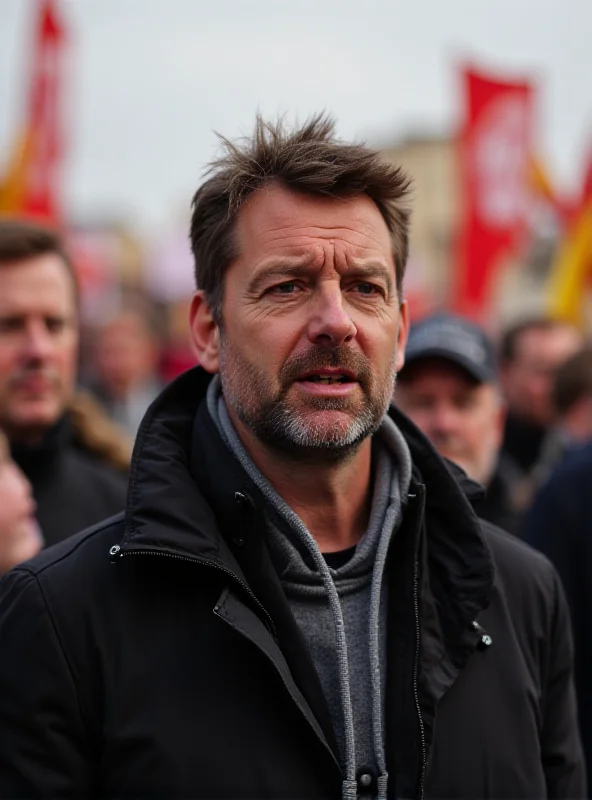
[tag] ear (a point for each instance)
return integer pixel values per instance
(402, 334)
(205, 334)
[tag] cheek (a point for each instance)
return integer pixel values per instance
(9, 503)
(9, 357)
(68, 356)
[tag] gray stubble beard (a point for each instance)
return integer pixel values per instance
(283, 429)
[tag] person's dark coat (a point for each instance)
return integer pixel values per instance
(523, 442)
(78, 472)
(560, 525)
(497, 502)
(157, 656)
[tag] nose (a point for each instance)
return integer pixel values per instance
(444, 419)
(330, 323)
(38, 342)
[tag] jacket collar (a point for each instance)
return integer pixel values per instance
(185, 486)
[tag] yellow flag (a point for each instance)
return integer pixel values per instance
(571, 269)
(12, 189)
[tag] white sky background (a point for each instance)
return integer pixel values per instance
(151, 80)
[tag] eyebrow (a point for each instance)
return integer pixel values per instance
(297, 267)
(278, 269)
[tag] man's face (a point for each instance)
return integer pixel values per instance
(313, 330)
(125, 353)
(528, 379)
(463, 419)
(38, 345)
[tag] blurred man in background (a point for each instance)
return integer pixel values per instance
(65, 445)
(572, 404)
(448, 387)
(20, 538)
(127, 356)
(531, 352)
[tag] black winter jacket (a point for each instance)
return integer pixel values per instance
(73, 487)
(158, 657)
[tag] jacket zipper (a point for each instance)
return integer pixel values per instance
(415, 676)
(116, 552)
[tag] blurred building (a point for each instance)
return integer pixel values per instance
(432, 162)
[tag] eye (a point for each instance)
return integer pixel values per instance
(288, 287)
(10, 324)
(368, 289)
(55, 324)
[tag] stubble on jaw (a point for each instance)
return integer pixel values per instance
(292, 431)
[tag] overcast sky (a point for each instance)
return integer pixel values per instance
(151, 80)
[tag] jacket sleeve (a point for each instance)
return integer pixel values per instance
(561, 749)
(42, 738)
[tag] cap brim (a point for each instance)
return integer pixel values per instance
(478, 373)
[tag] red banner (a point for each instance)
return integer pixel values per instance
(495, 147)
(32, 185)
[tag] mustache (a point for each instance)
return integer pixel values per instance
(340, 357)
(452, 444)
(35, 371)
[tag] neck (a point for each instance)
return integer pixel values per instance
(332, 497)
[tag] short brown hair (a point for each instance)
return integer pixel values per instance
(309, 159)
(573, 381)
(21, 240)
(509, 342)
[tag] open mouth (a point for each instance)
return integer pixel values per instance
(327, 379)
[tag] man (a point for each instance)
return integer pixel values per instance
(127, 356)
(572, 423)
(448, 387)
(68, 450)
(560, 525)
(531, 352)
(301, 603)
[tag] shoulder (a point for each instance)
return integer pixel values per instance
(525, 578)
(575, 470)
(105, 476)
(68, 571)
(514, 557)
(562, 507)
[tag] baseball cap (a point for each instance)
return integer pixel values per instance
(454, 339)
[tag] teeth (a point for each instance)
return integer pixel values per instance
(326, 379)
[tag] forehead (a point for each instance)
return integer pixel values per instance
(35, 284)
(278, 220)
(560, 338)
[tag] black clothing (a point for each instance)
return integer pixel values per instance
(523, 442)
(72, 487)
(496, 504)
(339, 558)
(560, 525)
(157, 655)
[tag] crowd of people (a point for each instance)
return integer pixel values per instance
(340, 520)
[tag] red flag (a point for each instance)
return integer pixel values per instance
(586, 193)
(495, 145)
(32, 186)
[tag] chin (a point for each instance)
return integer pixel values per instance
(38, 416)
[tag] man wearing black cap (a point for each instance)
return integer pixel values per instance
(449, 389)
